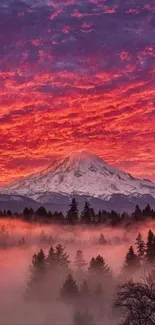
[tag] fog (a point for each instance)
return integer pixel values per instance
(16, 257)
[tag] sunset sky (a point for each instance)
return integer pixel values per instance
(77, 74)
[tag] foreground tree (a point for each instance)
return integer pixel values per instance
(140, 244)
(150, 247)
(69, 291)
(131, 262)
(136, 302)
(99, 267)
(51, 258)
(37, 275)
(61, 257)
(79, 261)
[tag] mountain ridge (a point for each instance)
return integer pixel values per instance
(80, 173)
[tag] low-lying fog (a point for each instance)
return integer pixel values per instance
(20, 240)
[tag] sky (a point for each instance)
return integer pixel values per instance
(77, 75)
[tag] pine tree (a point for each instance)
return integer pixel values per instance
(98, 265)
(99, 218)
(69, 289)
(9, 213)
(147, 212)
(87, 215)
(150, 247)
(79, 262)
(51, 258)
(73, 214)
(61, 257)
(41, 212)
(37, 273)
(140, 247)
(27, 214)
(131, 260)
(137, 213)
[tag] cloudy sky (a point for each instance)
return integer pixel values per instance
(77, 74)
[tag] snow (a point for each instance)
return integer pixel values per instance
(81, 173)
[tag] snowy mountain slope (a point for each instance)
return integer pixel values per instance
(81, 173)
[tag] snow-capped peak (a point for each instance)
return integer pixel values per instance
(80, 173)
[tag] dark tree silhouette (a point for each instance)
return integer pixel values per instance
(79, 261)
(137, 213)
(131, 262)
(137, 302)
(73, 215)
(86, 215)
(140, 244)
(37, 273)
(150, 247)
(147, 212)
(28, 213)
(51, 258)
(69, 289)
(41, 212)
(61, 257)
(98, 265)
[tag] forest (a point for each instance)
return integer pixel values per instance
(88, 216)
(82, 268)
(71, 274)
(91, 290)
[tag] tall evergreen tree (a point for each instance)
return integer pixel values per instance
(86, 215)
(69, 290)
(73, 214)
(99, 217)
(137, 213)
(28, 213)
(131, 262)
(37, 273)
(150, 247)
(99, 266)
(140, 244)
(41, 212)
(147, 212)
(51, 258)
(61, 257)
(79, 261)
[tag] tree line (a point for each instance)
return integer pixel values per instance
(88, 216)
(89, 287)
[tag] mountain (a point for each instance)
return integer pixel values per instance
(82, 174)
(16, 203)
